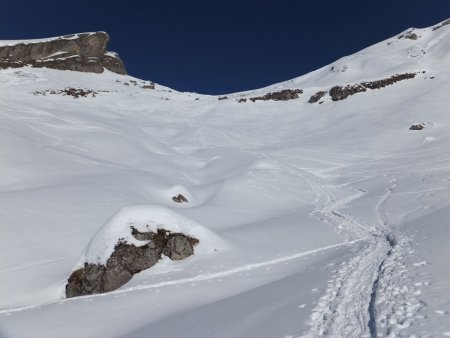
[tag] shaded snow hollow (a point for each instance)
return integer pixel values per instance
(145, 218)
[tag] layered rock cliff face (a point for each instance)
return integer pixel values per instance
(85, 52)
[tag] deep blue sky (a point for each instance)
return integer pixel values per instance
(221, 46)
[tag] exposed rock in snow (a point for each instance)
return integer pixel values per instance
(85, 52)
(409, 35)
(340, 93)
(317, 96)
(417, 126)
(134, 240)
(179, 199)
(127, 260)
(179, 247)
(74, 92)
(446, 22)
(282, 95)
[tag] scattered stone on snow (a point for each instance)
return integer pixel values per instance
(70, 91)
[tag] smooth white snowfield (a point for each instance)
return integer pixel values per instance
(324, 219)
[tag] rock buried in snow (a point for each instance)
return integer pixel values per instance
(417, 126)
(179, 199)
(134, 239)
(129, 259)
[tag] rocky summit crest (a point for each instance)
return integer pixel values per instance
(83, 52)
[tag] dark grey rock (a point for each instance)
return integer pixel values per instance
(317, 96)
(180, 199)
(342, 92)
(84, 52)
(282, 95)
(127, 260)
(178, 247)
(85, 281)
(409, 35)
(115, 278)
(417, 126)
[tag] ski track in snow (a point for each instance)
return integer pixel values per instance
(372, 279)
(37, 263)
(198, 278)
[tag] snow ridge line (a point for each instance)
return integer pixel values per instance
(198, 278)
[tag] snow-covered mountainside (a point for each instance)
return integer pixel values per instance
(319, 211)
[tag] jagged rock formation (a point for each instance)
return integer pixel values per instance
(283, 95)
(127, 260)
(341, 93)
(338, 93)
(445, 23)
(85, 52)
(317, 96)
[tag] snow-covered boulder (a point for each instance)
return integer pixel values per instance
(134, 239)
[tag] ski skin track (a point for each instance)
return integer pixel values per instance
(198, 278)
(341, 317)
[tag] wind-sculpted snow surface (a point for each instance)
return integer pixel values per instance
(313, 219)
(145, 218)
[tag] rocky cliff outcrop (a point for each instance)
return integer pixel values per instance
(338, 93)
(85, 52)
(282, 95)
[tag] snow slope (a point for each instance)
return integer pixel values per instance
(327, 219)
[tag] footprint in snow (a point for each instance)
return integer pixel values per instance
(441, 312)
(421, 263)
